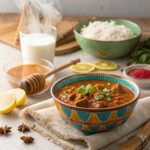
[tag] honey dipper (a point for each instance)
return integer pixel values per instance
(36, 82)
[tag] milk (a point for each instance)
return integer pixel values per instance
(38, 45)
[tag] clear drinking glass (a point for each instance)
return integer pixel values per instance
(39, 43)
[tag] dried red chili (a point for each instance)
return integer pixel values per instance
(140, 73)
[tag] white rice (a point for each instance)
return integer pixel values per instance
(106, 31)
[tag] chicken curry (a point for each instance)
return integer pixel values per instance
(95, 94)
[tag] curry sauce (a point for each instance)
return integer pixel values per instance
(95, 94)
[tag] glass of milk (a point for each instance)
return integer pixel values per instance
(38, 44)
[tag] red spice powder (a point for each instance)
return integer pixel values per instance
(140, 73)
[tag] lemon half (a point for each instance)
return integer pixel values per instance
(106, 65)
(7, 102)
(20, 96)
(83, 67)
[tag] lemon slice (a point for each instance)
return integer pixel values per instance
(106, 65)
(20, 96)
(83, 67)
(7, 103)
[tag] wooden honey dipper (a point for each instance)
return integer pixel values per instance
(36, 82)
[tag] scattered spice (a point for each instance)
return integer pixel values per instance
(140, 73)
(23, 128)
(5, 130)
(27, 139)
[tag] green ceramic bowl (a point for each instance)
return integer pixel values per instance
(108, 49)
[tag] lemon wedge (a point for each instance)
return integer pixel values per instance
(20, 96)
(83, 67)
(7, 102)
(106, 65)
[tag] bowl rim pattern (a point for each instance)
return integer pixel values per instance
(95, 109)
(95, 19)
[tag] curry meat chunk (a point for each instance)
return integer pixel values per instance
(82, 102)
(98, 104)
(99, 86)
(118, 88)
(97, 94)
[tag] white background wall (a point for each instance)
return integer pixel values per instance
(136, 8)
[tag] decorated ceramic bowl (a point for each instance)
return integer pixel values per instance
(108, 49)
(91, 120)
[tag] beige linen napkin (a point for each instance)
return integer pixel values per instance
(44, 118)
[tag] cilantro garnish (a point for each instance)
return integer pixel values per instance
(99, 96)
(106, 90)
(105, 94)
(83, 90)
(108, 95)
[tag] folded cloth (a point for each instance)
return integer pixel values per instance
(44, 118)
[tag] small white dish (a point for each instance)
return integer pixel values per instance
(141, 82)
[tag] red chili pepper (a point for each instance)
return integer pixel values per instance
(140, 73)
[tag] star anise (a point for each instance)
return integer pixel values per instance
(23, 128)
(27, 139)
(5, 130)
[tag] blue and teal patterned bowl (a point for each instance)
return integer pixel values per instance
(92, 120)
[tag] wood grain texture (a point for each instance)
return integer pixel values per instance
(9, 26)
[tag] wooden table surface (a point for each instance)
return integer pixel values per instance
(9, 26)
(7, 18)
